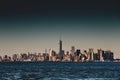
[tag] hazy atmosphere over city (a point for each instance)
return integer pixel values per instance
(37, 25)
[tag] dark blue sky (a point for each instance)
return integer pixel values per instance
(37, 24)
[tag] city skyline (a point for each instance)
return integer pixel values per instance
(74, 55)
(36, 25)
(60, 50)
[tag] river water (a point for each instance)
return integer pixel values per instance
(59, 71)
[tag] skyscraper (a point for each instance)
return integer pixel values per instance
(108, 56)
(101, 54)
(90, 54)
(72, 50)
(60, 50)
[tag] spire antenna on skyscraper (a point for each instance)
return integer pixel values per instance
(60, 37)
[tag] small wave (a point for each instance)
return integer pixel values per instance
(80, 79)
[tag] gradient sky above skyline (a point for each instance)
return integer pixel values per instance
(33, 25)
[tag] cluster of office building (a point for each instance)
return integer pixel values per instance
(70, 56)
(74, 55)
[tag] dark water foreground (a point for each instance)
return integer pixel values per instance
(59, 71)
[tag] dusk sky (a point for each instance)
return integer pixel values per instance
(33, 25)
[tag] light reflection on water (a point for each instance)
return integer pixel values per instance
(59, 71)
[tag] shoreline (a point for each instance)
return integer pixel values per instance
(59, 62)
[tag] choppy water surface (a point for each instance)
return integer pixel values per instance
(59, 71)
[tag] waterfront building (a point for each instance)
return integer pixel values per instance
(6, 58)
(42, 58)
(90, 54)
(108, 55)
(100, 54)
(77, 55)
(46, 57)
(72, 50)
(52, 55)
(67, 57)
(15, 57)
(84, 56)
(0, 58)
(78, 52)
(96, 56)
(71, 57)
(67, 53)
(76, 58)
(54, 58)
